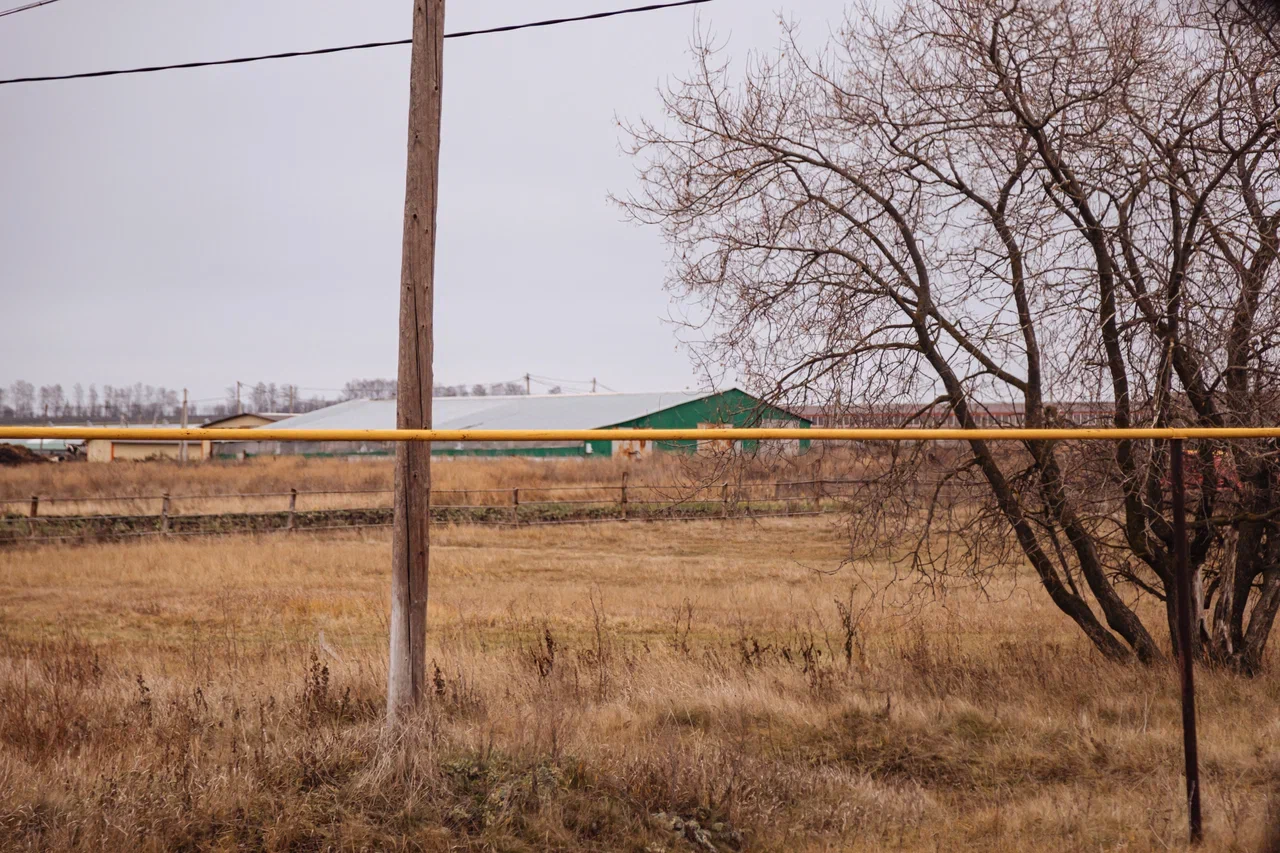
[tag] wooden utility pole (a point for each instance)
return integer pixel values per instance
(239, 405)
(182, 447)
(410, 539)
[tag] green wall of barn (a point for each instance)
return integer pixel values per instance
(730, 408)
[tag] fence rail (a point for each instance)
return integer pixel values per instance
(518, 506)
(33, 506)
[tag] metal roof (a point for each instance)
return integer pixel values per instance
(270, 416)
(537, 411)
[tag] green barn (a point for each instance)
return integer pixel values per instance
(731, 408)
(665, 410)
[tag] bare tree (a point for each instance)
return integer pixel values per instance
(376, 389)
(22, 398)
(260, 398)
(47, 404)
(1029, 202)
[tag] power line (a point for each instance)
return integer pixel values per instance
(15, 10)
(578, 386)
(342, 48)
(591, 17)
(570, 381)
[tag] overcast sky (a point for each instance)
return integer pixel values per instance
(191, 228)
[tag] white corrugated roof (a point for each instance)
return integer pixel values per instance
(43, 443)
(541, 411)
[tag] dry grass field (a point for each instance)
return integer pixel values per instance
(617, 687)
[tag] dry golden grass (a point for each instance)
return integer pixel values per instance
(589, 686)
(81, 488)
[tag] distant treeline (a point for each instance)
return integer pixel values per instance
(22, 400)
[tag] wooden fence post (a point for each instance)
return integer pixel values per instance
(817, 496)
(515, 507)
(724, 500)
(164, 514)
(1185, 640)
(623, 500)
(293, 505)
(35, 505)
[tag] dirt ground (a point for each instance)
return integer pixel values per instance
(12, 455)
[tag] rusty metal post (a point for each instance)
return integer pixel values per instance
(293, 506)
(164, 513)
(622, 501)
(35, 505)
(1186, 662)
(515, 507)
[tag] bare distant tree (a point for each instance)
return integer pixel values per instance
(1028, 201)
(50, 401)
(374, 389)
(507, 389)
(169, 402)
(22, 398)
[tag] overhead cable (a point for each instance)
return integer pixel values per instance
(342, 48)
(16, 9)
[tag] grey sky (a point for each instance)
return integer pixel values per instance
(195, 227)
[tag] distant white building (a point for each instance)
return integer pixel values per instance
(663, 410)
